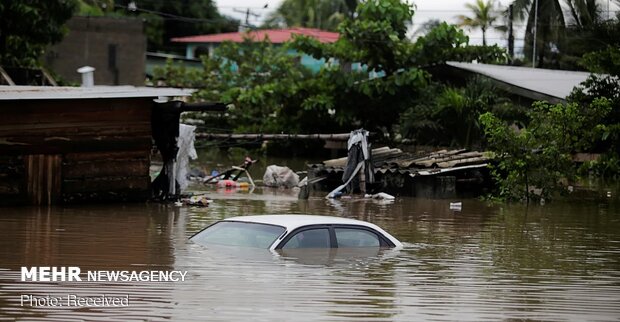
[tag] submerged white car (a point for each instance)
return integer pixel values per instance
(295, 231)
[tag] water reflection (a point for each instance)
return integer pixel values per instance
(560, 262)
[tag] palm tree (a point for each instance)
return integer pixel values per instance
(483, 17)
(547, 19)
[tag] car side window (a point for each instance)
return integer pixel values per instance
(310, 238)
(353, 237)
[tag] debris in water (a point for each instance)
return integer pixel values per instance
(197, 201)
(456, 206)
(380, 195)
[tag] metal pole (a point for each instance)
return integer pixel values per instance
(535, 29)
(511, 37)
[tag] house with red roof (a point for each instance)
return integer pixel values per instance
(205, 44)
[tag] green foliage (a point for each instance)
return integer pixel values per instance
(28, 27)
(535, 161)
(550, 28)
(320, 14)
(484, 16)
(607, 166)
(272, 92)
(377, 37)
(604, 61)
(447, 42)
(446, 115)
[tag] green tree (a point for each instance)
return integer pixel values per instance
(371, 76)
(446, 115)
(535, 161)
(484, 16)
(165, 20)
(320, 14)
(28, 27)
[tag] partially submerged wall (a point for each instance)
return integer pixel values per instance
(74, 150)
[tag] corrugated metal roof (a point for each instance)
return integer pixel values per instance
(62, 92)
(550, 82)
(276, 36)
(388, 160)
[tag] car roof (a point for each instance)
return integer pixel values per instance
(291, 222)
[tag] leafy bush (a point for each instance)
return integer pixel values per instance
(536, 161)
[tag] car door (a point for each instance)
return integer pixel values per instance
(315, 236)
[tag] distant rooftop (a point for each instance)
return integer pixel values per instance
(536, 83)
(63, 92)
(276, 36)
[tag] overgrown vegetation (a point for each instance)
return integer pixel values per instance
(536, 161)
(272, 92)
(28, 27)
(534, 146)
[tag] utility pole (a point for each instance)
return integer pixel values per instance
(535, 29)
(247, 13)
(511, 37)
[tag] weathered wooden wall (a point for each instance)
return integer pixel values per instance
(74, 150)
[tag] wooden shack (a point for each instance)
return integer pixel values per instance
(72, 144)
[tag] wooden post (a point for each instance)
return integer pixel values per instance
(363, 178)
(43, 175)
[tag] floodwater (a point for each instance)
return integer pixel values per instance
(558, 262)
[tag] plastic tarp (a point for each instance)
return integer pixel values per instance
(187, 151)
(276, 176)
(359, 153)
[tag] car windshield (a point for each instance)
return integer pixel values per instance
(235, 233)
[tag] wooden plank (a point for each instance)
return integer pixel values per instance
(79, 129)
(438, 160)
(462, 162)
(6, 77)
(376, 153)
(107, 155)
(106, 184)
(11, 186)
(43, 174)
(68, 111)
(48, 77)
(274, 136)
(62, 145)
(106, 168)
(11, 170)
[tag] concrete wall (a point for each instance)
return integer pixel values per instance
(116, 47)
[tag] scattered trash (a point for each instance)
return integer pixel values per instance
(380, 195)
(276, 176)
(178, 203)
(198, 201)
(456, 206)
(196, 174)
(233, 173)
(542, 201)
(570, 189)
(608, 194)
(232, 184)
(334, 194)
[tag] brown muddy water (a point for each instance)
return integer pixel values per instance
(560, 262)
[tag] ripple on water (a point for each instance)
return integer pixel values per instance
(485, 263)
